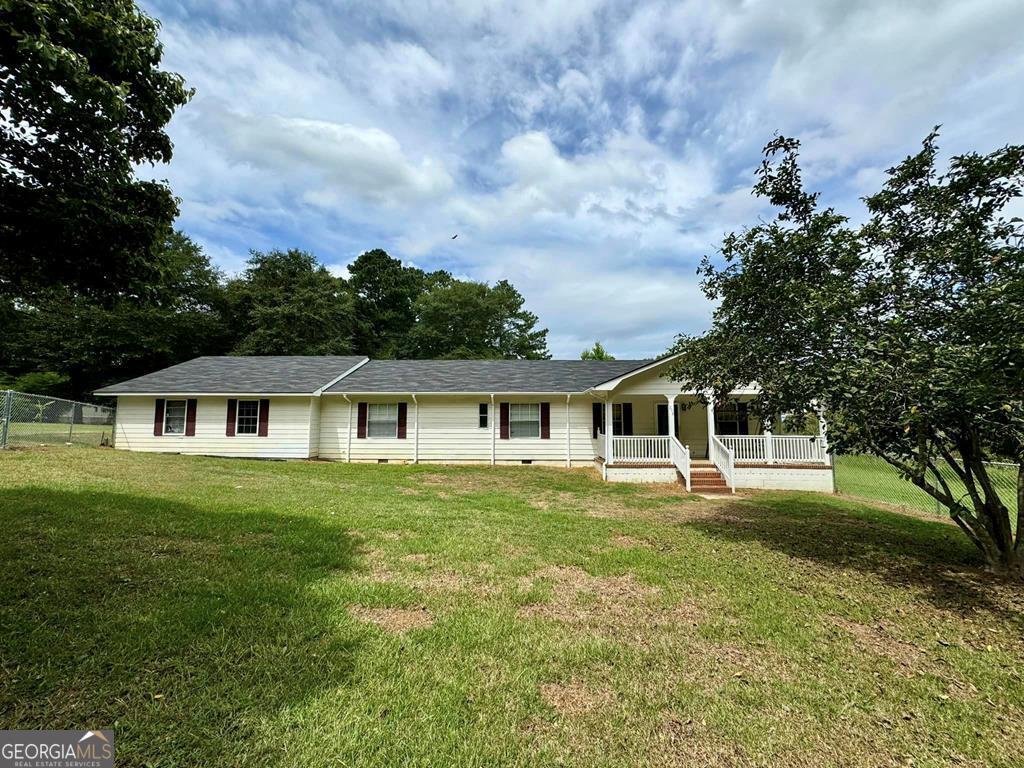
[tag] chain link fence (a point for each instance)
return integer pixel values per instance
(27, 420)
(869, 477)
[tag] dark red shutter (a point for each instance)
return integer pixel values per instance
(503, 421)
(229, 428)
(158, 417)
(545, 421)
(743, 417)
(627, 418)
(190, 417)
(595, 411)
(361, 423)
(261, 429)
(403, 411)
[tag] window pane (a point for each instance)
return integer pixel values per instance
(174, 417)
(483, 415)
(248, 417)
(524, 420)
(382, 420)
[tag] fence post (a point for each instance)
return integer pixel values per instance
(8, 407)
(71, 421)
(769, 452)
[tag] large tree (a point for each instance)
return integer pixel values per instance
(385, 291)
(286, 303)
(178, 317)
(908, 331)
(460, 319)
(83, 103)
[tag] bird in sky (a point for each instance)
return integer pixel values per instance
(454, 236)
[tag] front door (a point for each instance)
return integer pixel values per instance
(662, 413)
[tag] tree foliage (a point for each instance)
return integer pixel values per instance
(283, 303)
(908, 330)
(286, 303)
(384, 291)
(83, 103)
(458, 319)
(94, 343)
(596, 352)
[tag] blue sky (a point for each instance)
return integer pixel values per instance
(590, 152)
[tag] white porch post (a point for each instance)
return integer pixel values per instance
(609, 456)
(769, 452)
(671, 415)
(710, 396)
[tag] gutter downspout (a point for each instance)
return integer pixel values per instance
(348, 447)
(568, 434)
(416, 435)
(492, 415)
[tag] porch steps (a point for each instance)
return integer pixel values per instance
(705, 478)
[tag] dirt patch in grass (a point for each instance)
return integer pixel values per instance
(574, 698)
(877, 639)
(654, 505)
(628, 542)
(561, 499)
(618, 606)
(424, 579)
(394, 620)
(684, 742)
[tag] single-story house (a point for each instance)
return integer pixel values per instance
(624, 416)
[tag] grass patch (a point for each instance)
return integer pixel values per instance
(233, 612)
(871, 478)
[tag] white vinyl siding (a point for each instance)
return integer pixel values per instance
(450, 432)
(287, 438)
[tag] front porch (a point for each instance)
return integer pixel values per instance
(669, 438)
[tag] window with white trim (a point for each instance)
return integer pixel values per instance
(174, 417)
(483, 416)
(382, 420)
(524, 420)
(247, 418)
(616, 418)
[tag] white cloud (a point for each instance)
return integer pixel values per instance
(591, 152)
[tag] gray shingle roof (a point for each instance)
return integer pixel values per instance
(483, 376)
(290, 374)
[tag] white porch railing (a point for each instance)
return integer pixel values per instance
(722, 457)
(777, 449)
(680, 455)
(640, 449)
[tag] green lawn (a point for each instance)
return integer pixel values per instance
(30, 433)
(869, 477)
(228, 613)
